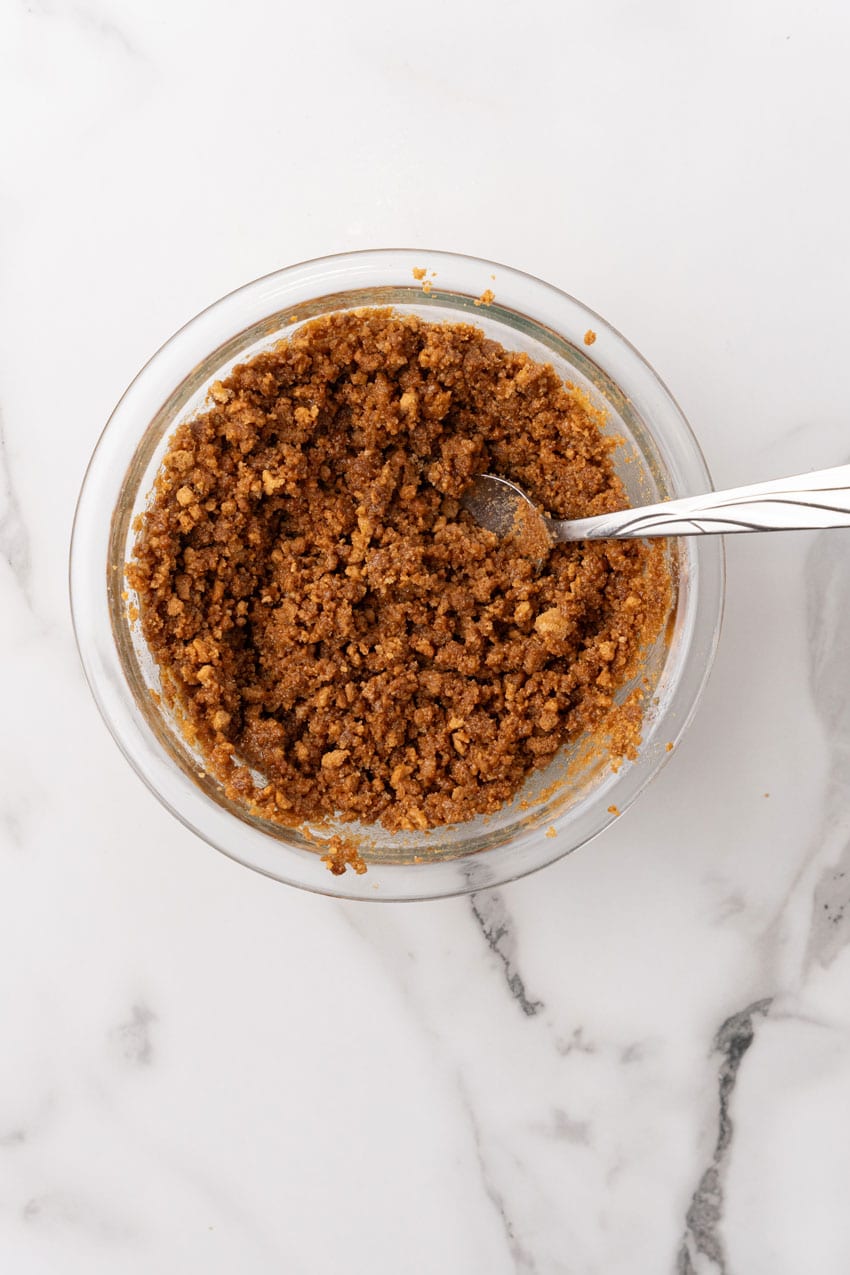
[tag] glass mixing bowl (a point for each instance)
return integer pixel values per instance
(559, 808)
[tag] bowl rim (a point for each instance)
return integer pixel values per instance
(469, 872)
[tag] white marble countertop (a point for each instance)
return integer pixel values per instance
(634, 1062)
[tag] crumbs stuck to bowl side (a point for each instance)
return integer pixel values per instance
(657, 457)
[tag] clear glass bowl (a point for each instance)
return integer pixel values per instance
(559, 808)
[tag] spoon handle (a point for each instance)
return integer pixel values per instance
(820, 499)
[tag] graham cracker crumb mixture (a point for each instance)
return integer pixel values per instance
(528, 534)
(487, 297)
(323, 611)
(341, 855)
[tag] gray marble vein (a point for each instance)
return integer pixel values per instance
(11, 828)
(564, 1128)
(522, 1257)
(59, 1213)
(495, 923)
(575, 1043)
(828, 608)
(86, 18)
(27, 1128)
(827, 577)
(14, 533)
(829, 933)
(15, 1137)
(702, 1236)
(230, 1208)
(132, 1039)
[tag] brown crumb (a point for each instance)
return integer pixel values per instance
(669, 747)
(529, 534)
(553, 623)
(427, 285)
(419, 273)
(325, 613)
(343, 854)
(766, 794)
(589, 336)
(551, 832)
(612, 810)
(487, 297)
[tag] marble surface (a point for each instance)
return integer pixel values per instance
(634, 1062)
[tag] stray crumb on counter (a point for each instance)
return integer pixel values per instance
(589, 336)
(765, 794)
(487, 297)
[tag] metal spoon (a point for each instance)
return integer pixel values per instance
(820, 499)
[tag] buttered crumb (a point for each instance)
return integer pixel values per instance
(343, 854)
